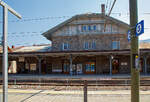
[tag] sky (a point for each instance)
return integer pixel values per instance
(38, 16)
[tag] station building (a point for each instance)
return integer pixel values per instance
(92, 43)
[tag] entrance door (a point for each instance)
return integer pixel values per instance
(48, 68)
(66, 68)
(77, 69)
(115, 66)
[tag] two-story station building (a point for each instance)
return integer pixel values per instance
(84, 44)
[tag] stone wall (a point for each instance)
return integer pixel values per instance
(103, 41)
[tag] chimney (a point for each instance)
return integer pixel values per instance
(103, 9)
(13, 46)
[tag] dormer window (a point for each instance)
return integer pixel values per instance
(65, 46)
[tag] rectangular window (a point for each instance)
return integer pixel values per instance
(115, 45)
(90, 67)
(33, 67)
(94, 27)
(83, 28)
(93, 45)
(89, 28)
(65, 46)
(86, 45)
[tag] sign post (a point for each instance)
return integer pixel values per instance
(135, 77)
(6, 8)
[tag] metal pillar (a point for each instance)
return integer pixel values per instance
(145, 64)
(39, 60)
(135, 77)
(85, 91)
(5, 49)
(110, 62)
(70, 64)
(5, 55)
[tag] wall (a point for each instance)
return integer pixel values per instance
(102, 65)
(124, 63)
(103, 41)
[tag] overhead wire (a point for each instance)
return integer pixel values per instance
(108, 7)
(12, 35)
(109, 13)
(38, 19)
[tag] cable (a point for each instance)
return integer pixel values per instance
(107, 5)
(31, 34)
(64, 17)
(112, 8)
(38, 19)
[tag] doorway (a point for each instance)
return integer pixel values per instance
(77, 69)
(115, 66)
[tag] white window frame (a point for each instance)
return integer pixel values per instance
(115, 45)
(86, 45)
(63, 46)
(93, 45)
(94, 26)
(84, 28)
(90, 28)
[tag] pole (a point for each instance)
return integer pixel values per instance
(39, 64)
(85, 91)
(5, 55)
(110, 62)
(145, 64)
(134, 51)
(71, 65)
(6, 8)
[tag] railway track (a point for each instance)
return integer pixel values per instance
(72, 82)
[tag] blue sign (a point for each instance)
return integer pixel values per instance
(140, 28)
(129, 35)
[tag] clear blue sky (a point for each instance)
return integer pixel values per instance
(29, 32)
